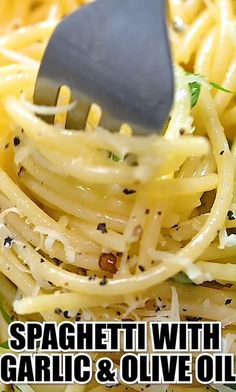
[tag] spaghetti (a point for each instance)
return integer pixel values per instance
(108, 226)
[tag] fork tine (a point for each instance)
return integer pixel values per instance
(76, 118)
(46, 94)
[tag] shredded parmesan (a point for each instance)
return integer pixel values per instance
(47, 110)
(196, 275)
(22, 153)
(8, 211)
(225, 240)
(52, 236)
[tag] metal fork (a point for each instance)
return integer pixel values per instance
(114, 53)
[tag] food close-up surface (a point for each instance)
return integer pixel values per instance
(117, 226)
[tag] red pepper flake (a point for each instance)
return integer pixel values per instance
(222, 152)
(141, 268)
(16, 141)
(228, 301)
(230, 215)
(108, 262)
(102, 227)
(129, 191)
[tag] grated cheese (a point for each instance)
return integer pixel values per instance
(225, 240)
(47, 110)
(197, 275)
(52, 236)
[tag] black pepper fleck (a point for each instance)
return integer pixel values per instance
(21, 171)
(128, 191)
(228, 301)
(16, 141)
(192, 318)
(222, 152)
(230, 215)
(8, 242)
(175, 226)
(102, 227)
(103, 282)
(141, 268)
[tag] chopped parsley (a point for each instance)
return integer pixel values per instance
(115, 158)
(195, 89)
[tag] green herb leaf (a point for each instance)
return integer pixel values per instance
(218, 87)
(5, 315)
(181, 277)
(4, 345)
(115, 158)
(195, 89)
